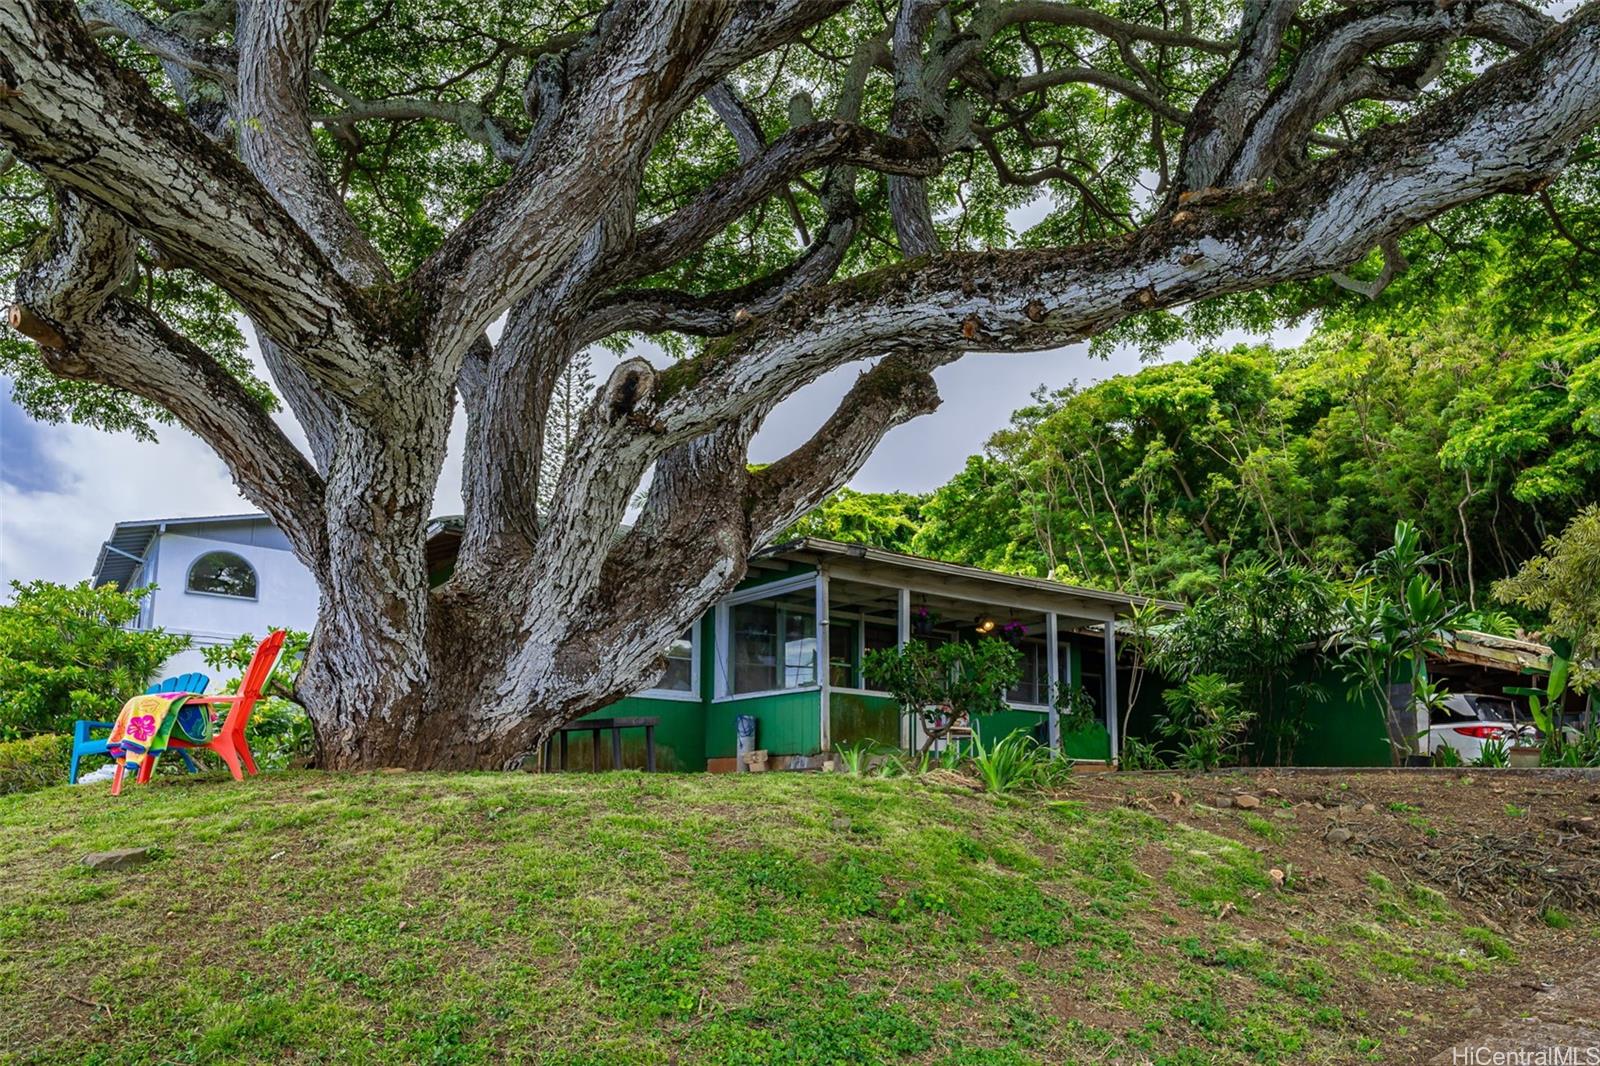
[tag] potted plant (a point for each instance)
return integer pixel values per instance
(1014, 633)
(922, 621)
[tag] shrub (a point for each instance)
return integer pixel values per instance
(1017, 761)
(1204, 721)
(949, 685)
(35, 763)
(65, 655)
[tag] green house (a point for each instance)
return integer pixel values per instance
(786, 647)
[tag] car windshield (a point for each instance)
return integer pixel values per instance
(1494, 708)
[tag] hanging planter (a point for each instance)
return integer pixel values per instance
(1014, 633)
(922, 622)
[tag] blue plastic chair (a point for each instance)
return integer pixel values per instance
(83, 744)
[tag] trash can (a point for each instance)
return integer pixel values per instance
(745, 726)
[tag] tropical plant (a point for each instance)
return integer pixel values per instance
(1493, 754)
(435, 206)
(1204, 722)
(1563, 584)
(951, 685)
(1017, 761)
(855, 759)
(1139, 754)
(66, 653)
(1252, 632)
(1394, 616)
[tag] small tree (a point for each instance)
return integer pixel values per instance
(1204, 721)
(1251, 631)
(1563, 583)
(65, 654)
(948, 685)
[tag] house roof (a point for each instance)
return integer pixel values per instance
(1497, 653)
(122, 554)
(958, 576)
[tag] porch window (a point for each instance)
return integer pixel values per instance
(774, 643)
(679, 680)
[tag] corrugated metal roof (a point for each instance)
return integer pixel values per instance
(123, 553)
(818, 546)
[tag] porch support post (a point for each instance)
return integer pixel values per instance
(1111, 687)
(902, 635)
(1053, 659)
(824, 669)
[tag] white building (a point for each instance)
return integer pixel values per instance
(217, 577)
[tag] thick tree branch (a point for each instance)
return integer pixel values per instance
(1321, 79)
(277, 41)
(891, 393)
(1510, 130)
(66, 300)
(67, 110)
(802, 149)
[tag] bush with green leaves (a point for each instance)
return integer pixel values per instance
(948, 685)
(1017, 761)
(34, 763)
(1205, 722)
(65, 654)
(280, 731)
(1252, 632)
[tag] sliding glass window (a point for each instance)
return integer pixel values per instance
(774, 643)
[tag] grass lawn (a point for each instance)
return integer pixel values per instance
(624, 918)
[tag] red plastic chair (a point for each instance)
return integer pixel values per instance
(228, 742)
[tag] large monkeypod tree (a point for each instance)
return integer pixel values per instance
(430, 205)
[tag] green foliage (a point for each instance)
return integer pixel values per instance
(1250, 632)
(1493, 754)
(1017, 761)
(1204, 722)
(34, 763)
(855, 758)
(1563, 584)
(948, 685)
(1394, 617)
(65, 655)
(886, 520)
(280, 730)
(1453, 407)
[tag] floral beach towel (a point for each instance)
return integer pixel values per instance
(145, 725)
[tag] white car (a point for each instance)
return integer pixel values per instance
(1469, 720)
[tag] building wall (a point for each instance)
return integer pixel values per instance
(286, 594)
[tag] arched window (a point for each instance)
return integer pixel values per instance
(222, 574)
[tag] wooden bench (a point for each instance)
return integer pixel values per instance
(596, 726)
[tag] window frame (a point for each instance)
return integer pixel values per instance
(724, 636)
(692, 693)
(188, 577)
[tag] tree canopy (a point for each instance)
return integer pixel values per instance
(773, 189)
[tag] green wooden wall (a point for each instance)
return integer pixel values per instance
(854, 718)
(680, 736)
(787, 723)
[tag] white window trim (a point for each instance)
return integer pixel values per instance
(692, 695)
(188, 576)
(724, 636)
(797, 690)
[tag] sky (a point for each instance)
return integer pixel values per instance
(62, 488)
